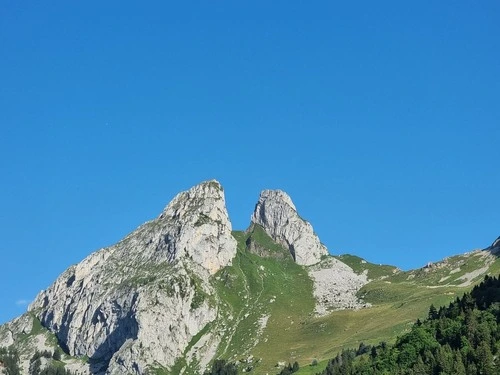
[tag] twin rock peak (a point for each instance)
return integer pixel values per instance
(111, 307)
(196, 225)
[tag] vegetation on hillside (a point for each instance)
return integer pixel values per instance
(265, 301)
(373, 271)
(222, 367)
(9, 360)
(264, 281)
(461, 339)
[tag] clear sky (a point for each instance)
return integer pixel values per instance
(381, 120)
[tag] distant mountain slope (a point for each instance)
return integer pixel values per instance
(461, 338)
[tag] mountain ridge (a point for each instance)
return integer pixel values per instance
(174, 294)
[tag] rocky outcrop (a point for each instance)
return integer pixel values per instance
(195, 226)
(335, 283)
(336, 286)
(277, 214)
(26, 329)
(141, 301)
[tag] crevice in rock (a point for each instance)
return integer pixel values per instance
(126, 328)
(292, 251)
(70, 281)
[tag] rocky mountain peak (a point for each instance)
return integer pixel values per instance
(277, 214)
(201, 224)
(109, 306)
(201, 199)
(194, 225)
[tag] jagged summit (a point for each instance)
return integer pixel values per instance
(210, 191)
(277, 214)
(194, 225)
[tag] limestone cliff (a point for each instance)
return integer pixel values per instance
(140, 302)
(277, 214)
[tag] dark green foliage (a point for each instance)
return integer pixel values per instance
(51, 370)
(362, 349)
(37, 355)
(221, 367)
(10, 360)
(290, 369)
(461, 339)
(199, 295)
(57, 355)
(433, 314)
(35, 367)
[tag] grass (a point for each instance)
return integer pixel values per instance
(257, 235)
(359, 265)
(452, 271)
(292, 332)
(37, 328)
(309, 369)
(258, 287)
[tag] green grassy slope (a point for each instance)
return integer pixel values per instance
(459, 270)
(262, 291)
(374, 271)
(255, 287)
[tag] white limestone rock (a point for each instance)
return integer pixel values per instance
(276, 213)
(195, 226)
(33, 338)
(335, 286)
(138, 303)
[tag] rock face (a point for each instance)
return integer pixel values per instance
(335, 286)
(141, 301)
(277, 214)
(196, 225)
(496, 243)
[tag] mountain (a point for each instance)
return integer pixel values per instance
(277, 215)
(184, 289)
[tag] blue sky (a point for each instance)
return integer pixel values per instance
(380, 119)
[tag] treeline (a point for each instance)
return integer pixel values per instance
(222, 367)
(9, 360)
(51, 368)
(290, 369)
(461, 339)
